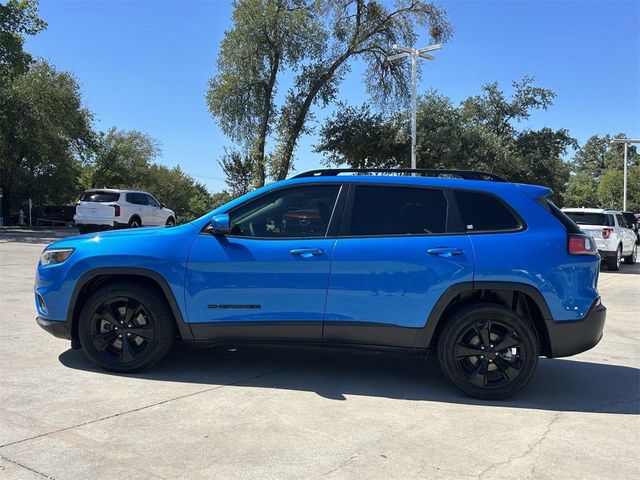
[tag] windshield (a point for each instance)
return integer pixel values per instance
(96, 196)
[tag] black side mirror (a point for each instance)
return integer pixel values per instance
(162, 205)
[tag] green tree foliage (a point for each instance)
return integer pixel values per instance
(315, 40)
(267, 37)
(45, 133)
(17, 19)
(239, 170)
(479, 134)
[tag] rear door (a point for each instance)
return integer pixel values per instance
(397, 253)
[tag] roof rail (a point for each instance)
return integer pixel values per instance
(426, 172)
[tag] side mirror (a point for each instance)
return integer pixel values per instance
(220, 224)
(162, 205)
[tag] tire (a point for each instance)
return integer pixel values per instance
(170, 222)
(135, 222)
(480, 370)
(84, 229)
(118, 345)
(613, 263)
(631, 259)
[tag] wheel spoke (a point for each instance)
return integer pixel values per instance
(480, 374)
(107, 314)
(463, 350)
(484, 331)
(145, 332)
(103, 340)
(507, 368)
(131, 308)
(508, 341)
(127, 352)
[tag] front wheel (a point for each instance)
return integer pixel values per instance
(487, 351)
(170, 222)
(125, 327)
(631, 259)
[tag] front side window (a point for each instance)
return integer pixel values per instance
(484, 213)
(292, 212)
(152, 201)
(621, 221)
(381, 210)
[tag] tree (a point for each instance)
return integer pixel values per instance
(238, 169)
(314, 40)
(359, 138)
(267, 37)
(45, 134)
(581, 191)
(17, 19)
(354, 29)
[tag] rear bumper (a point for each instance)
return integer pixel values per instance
(572, 337)
(94, 221)
(58, 329)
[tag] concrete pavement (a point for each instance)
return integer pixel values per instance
(281, 413)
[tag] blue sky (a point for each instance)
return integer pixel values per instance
(145, 65)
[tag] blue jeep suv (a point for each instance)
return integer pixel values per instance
(486, 273)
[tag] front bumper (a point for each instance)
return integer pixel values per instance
(572, 337)
(58, 329)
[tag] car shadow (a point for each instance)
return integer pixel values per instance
(558, 385)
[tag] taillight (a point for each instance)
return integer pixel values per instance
(580, 245)
(606, 232)
(117, 210)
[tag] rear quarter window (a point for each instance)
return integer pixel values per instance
(485, 213)
(100, 197)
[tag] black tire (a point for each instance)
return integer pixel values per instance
(135, 222)
(125, 327)
(84, 229)
(170, 222)
(631, 259)
(483, 371)
(613, 262)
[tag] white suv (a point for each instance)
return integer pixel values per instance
(614, 238)
(109, 208)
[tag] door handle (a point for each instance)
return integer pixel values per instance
(306, 252)
(445, 251)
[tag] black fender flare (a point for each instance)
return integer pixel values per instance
(89, 275)
(425, 334)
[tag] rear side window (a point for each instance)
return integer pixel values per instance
(97, 196)
(137, 198)
(398, 211)
(484, 213)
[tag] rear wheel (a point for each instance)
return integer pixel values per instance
(135, 222)
(85, 229)
(631, 259)
(613, 262)
(487, 351)
(125, 327)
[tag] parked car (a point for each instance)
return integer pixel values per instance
(615, 240)
(109, 208)
(487, 273)
(632, 222)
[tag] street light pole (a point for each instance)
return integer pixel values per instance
(626, 142)
(414, 53)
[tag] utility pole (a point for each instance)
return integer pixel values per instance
(414, 53)
(626, 142)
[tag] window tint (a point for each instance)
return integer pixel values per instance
(398, 211)
(621, 221)
(151, 201)
(482, 213)
(137, 198)
(100, 197)
(584, 218)
(630, 218)
(292, 212)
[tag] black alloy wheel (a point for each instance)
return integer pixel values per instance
(488, 351)
(126, 326)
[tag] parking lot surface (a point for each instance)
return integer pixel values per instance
(259, 412)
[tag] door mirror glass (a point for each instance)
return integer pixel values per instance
(220, 224)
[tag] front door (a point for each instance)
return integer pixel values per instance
(397, 254)
(268, 278)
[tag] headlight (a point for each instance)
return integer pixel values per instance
(55, 255)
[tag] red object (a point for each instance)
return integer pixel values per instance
(117, 209)
(606, 232)
(578, 245)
